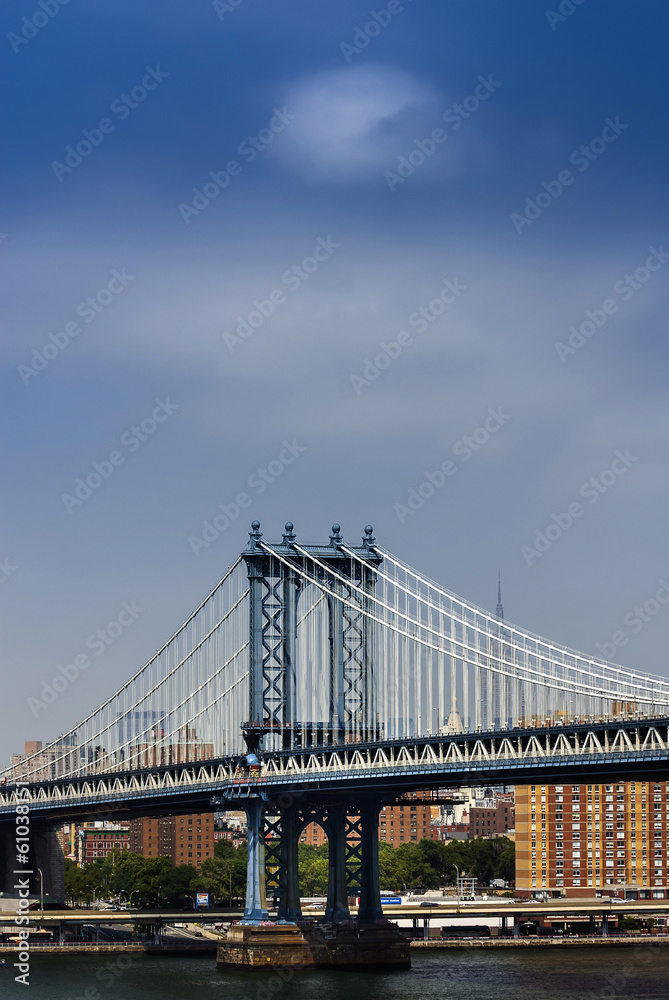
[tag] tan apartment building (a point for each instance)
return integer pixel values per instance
(588, 839)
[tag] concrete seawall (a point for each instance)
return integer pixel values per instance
(116, 947)
(548, 942)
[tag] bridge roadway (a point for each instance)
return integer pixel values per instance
(579, 752)
(557, 909)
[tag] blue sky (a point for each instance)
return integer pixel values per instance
(334, 129)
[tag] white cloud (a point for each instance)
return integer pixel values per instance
(350, 122)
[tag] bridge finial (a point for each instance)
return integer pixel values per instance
(255, 534)
(289, 534)
(336, 538)
(368, 539)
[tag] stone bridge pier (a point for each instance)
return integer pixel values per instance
(341, 938)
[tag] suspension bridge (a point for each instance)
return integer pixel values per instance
(315, 682)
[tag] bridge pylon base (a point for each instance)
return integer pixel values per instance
(308, 945)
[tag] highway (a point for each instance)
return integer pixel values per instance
(558, 908)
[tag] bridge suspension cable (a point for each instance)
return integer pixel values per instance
(186, 703)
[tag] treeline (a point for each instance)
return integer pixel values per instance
(427, 864)
(147, 882)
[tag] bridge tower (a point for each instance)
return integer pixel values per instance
(278, 574)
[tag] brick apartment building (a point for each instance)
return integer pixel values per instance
(492, 820)
(581, 840)
(185, 840)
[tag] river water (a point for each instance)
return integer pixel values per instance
(523, 974)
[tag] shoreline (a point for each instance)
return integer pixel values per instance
(209, 946)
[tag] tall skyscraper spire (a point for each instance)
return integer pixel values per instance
(499, 610)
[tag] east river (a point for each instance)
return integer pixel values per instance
(522, 974)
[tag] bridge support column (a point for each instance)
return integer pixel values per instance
(370, 909)
(290, 909)
(336, 908)
(46, 852)
(516, 927)
(605, 925)
(7, 857)
(256, 904)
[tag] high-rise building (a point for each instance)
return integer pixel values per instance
(584, 840)
(406, 823)
(155, 749)
(38, 763)
(185, 840)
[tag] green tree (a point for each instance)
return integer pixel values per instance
(506, 862)
(312, 866)
(224, 875)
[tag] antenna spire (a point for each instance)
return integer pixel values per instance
(499, 610)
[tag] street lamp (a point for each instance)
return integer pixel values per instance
(457, 885)
(131, 895)
(41, 892)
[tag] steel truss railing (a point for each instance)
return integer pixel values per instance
(448, 760)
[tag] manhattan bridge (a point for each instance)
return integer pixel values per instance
(315, 683)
